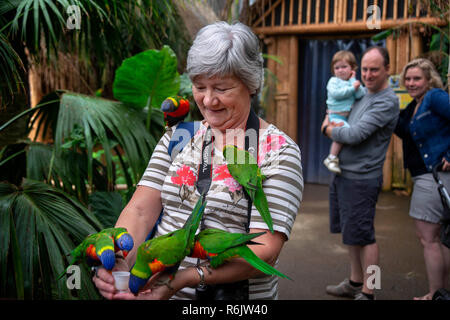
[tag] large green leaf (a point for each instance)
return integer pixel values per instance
(106, 206)
(45, 224)
(104, 120)
(147, 78)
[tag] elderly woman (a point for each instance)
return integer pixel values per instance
(424, 126)
(226, 69)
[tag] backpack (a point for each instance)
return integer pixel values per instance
(180, 138)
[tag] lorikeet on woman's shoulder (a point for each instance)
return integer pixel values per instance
(175, 110)
(244, 169)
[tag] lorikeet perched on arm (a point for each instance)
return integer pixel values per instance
(167, 251)
(244, 169)
(175, 110)
(218, 246)
(99, 248)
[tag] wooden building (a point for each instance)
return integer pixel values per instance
(305, 34)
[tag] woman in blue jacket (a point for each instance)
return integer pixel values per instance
(424, 127)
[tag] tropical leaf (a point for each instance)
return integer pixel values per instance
(382, 35)
(100, 120)
(147, 78)
(11, 70)
(47, 225)
(106, 206)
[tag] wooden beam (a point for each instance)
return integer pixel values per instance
(392, 49)
(271, 9)
(263, 6)
(327, 10)
(344, 11)
(335, 12)
(395, 9)
(405, 10)
(358, 26)
(365, 11)
(300, 12)
(355, 5)
(291, 12)
(317, 11)
(293, 87)
(308, 12)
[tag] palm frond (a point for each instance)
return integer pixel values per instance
(47, 224)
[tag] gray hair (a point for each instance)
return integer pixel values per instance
(221, 49)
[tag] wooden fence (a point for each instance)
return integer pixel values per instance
(335, 16)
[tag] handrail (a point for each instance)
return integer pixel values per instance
(318, 16)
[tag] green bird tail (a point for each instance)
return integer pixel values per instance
(246, 253)
(261, 204)
(62, 274)
(194, 219)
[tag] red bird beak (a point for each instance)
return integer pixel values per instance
(125, 253)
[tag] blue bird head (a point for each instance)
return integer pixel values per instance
(168, 105)
(125, 243)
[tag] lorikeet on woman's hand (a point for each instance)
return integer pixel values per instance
(218, 246)
(244, 169)
(175, 110)
(165, 252)
(99, 248)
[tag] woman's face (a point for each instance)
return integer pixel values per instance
(416, 83)
(223, 101)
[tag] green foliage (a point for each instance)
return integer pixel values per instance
(106, 206)
(438, 46)
(44, 217)
(95, 141)
(146, 79)
(40, 225)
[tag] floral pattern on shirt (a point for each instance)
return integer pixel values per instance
(185, 179)
(273, 142)
(234, 188)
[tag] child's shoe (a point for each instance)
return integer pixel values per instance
(332, 164)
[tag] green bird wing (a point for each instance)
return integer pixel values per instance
(192, 223)
(217, 241)
(242, 166)
(249, 175)
(256, 262)
(171, 249)
(261, 204)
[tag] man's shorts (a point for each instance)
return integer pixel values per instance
(352, 209)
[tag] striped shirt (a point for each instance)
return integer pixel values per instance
(279, 160)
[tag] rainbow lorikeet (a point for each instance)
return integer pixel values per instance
(165, 252)
(175, 110)
(99, 248)
(218, 246)
(245, 170)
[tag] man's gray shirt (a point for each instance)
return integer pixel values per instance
(372, 121)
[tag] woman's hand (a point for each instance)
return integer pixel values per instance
(159, 287)
(104, 281)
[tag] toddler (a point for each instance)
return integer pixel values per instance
(342, 90)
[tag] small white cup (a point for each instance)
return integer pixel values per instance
(121, 279)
